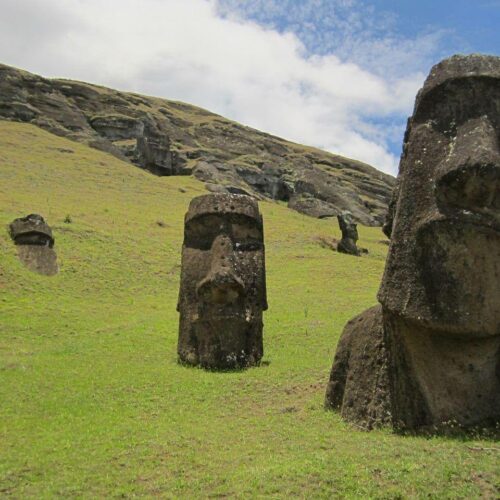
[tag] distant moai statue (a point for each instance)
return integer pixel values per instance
(349, 234)
(430, 353)
(223, 283)
(34, 240)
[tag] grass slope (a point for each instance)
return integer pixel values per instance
(93, 402)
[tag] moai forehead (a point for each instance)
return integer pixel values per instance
(461, 68)
(223, 204)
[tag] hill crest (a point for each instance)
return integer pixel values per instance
(174, 138)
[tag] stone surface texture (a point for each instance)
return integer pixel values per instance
(436, 336)
(223, 289)
(349, 234)
(173, 138)
(34, 242)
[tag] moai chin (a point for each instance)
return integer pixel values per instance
(223, 283)
(430, 354)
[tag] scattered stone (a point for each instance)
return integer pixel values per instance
(116, 127)
(34, 241)
(223, 289)
(154, 154)
(237, 190)
(430, 354)
(308, 205)
(349, 234)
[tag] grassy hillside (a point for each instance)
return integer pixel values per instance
(93, 402)
(222, 153)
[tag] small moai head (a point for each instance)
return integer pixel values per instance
(31, 230)
(34, 241)
(443, 267)
(349, 234)
(223, 288)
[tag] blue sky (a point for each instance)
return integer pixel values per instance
(371, 32)
(470, 26)
(341, 75)
(473, 25)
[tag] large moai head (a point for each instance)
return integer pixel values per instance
(443, 267)
(223, 288)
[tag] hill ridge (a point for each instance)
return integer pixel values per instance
(175, 138)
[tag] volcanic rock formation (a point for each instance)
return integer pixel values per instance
(172, 138)
(430, 353)
(34, 240)
(223, 283)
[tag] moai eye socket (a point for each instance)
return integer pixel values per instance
(246, 235)
(200, 233)
(454, 102)
(475, 188)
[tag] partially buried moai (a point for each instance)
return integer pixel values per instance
(349, 234)
(35, 244)
(430, 354)
(223, 283)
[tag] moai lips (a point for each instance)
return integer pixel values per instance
(437, 335)
(222, 291)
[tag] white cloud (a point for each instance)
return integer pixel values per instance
(186, 50)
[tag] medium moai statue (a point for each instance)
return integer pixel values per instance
(34, 240)
(349, 234)
(223, 283)
(430, 353)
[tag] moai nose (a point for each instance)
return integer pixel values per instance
(221, 285)
(469, 178)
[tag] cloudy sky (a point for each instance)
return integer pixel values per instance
(337, 74)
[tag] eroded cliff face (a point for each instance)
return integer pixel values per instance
(173, 138)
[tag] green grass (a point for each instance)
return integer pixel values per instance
(92, 400)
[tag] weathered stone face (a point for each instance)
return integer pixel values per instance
(34, 241)
(443, 268)
(431, 353)
(349, 234)
(222, 291)
(31, 230)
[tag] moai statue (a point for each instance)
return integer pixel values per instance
(430, 353)
(223, 283)
(349, 234)
(34, 241)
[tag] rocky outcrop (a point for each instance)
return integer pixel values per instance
(172, 138)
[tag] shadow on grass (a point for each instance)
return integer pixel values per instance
(488, 430)
(235, 369)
